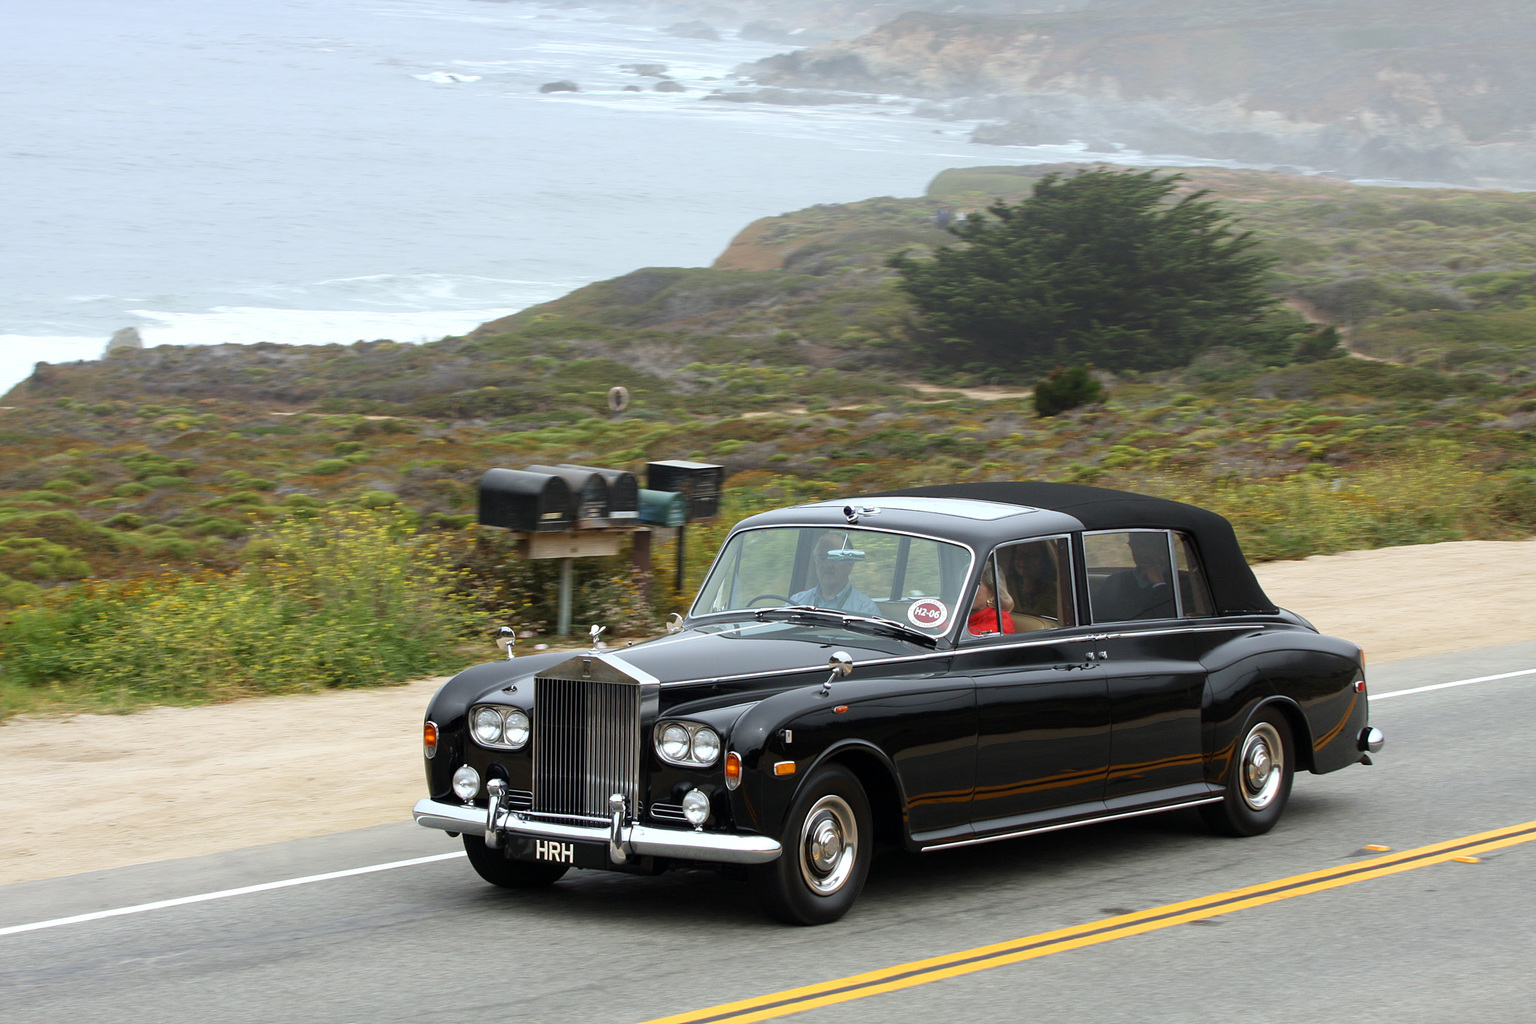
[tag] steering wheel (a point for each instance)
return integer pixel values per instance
(767, 597)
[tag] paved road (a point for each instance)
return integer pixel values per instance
(1445, 942)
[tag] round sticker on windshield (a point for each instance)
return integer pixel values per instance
(928, 613)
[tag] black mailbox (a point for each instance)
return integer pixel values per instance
(528, 502)
(589, 493)
(699, 483)
(623, 492)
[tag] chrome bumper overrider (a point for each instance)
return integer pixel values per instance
(631, 840)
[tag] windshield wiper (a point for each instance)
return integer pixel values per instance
(810, 614)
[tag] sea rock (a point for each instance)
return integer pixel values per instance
(670, 86)
(564, 85)
(125, 339)
(645, 70)
(632, 88)
(769, 32)
(692, 30)
(1388, 98)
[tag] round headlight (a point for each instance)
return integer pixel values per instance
(518, 728)
(674, 743)
(696, 807)
(466, 783)
(487, 725)
(706, 746)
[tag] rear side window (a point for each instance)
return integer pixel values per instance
(1130, 575)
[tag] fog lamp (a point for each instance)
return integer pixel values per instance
(696, 807)
(466, 783)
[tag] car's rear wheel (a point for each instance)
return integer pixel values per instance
(828, 843)
(490, 865)
(1259, 781)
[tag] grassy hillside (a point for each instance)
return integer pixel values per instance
(789, 363)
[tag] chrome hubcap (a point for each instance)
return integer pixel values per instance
(828, 845)
(1262, 766)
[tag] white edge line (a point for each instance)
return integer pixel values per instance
(1446, 686)
(225, 893)
(350, 872)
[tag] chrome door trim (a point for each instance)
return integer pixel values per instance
(1059, 826)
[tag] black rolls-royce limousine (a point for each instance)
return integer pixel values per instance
(929, 668)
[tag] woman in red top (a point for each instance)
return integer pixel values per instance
(988, 614)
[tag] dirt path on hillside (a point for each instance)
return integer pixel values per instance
(99, 791)
(985, 393)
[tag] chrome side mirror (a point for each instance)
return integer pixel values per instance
(674, 623)
(506, 638)
(841, 664)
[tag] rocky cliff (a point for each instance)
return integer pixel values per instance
(1412, 89)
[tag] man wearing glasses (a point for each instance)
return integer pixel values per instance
(834, 561)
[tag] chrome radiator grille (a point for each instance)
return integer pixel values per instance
(586, 746)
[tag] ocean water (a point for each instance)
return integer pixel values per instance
(315, 171)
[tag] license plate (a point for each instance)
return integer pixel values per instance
(557, 851)
(554, 851)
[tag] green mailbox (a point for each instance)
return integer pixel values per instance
(663, 508)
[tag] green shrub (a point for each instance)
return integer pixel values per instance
(15, 592)
(217, 526)
(377, 499)
(237, 498)
(349, 599)
(133, 489)
(1065, 389)
(36, 559)
(329, 467)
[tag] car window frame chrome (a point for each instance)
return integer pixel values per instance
(965, 639)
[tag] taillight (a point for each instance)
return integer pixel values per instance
(429, 739)
(1360, 685)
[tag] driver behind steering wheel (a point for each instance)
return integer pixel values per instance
(833, 562)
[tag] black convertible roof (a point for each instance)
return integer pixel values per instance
(1233, 585)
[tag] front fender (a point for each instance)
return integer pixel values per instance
(450, 704)
(803, 729)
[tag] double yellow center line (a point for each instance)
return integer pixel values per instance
(953, 965)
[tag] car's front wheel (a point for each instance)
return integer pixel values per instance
(828, 843)
(1259, 781)
(490, 865)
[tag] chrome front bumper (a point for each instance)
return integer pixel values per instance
(623, 840)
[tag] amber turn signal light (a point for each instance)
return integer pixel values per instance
(732, 770)
(429, 739)
(784, 768)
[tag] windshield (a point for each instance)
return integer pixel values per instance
(911, 580)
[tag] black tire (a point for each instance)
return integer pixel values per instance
(1259, 779)
(828, 843)
(490, 865)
